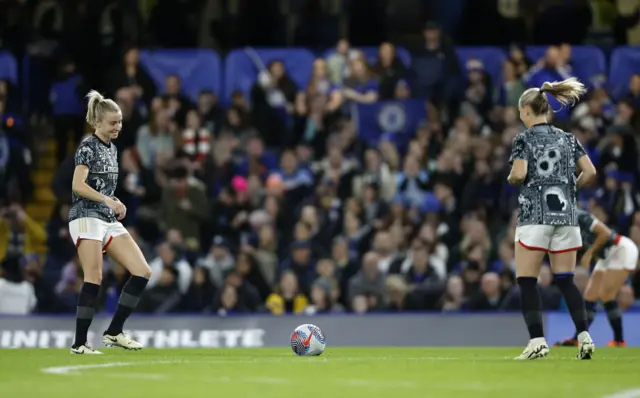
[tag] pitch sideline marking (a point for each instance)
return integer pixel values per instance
(77, 370)
(634, 393)
(70, 369)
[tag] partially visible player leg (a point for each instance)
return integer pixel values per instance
(591, 296)
(528, 264)
(622, 260)
(562, 254)
(90, 255)
(563, 265)
(124, 250)
(614, 279)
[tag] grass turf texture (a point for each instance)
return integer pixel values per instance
(339, 372)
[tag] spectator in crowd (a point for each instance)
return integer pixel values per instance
(436, 67)
(390, 69)
(17, 296)
(19, 233)
(490, 296)
(165, 295)
(199, 297)
(168, 258)
(155, 140)
(338, 62)
(132, 75)
(323, 298)
(287, 299)
(272, 97)
(184, 206)
(361, 86)
(512, 87)
(368, 284)
(61, 247)
(67, 105)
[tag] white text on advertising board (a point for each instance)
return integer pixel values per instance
(171, 338)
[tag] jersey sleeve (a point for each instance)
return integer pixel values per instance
(84, 155)
(580, 152)
(518, 149)
(586, 221)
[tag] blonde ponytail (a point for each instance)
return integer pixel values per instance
(98, 106)
(567, 92)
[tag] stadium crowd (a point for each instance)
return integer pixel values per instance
(274, 203)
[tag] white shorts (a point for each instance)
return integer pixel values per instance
(95, 229)
(549, 238)
(623, 255)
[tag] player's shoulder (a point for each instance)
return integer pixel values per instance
(89, 141)
(522, 137)
(585, 217)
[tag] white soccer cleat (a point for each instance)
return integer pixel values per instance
(121, 340)
(537, 348)
(585, 346)
(84, 349)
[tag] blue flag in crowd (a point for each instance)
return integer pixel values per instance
(396, 121)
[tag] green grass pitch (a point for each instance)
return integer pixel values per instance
(339, 372)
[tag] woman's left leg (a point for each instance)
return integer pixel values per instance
(613, 280)
(125, 251)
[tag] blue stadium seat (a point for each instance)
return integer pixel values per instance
(241, 72)
(8, 67)
(588, 61)
(372, 54)
(625, 62)
(492, 57)
(198, 69)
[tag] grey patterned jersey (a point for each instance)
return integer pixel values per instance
(587, 221)
(548, 193)
(102, 160)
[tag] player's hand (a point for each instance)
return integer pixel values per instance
(586, 259)
(118, 207)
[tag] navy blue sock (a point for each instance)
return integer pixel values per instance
(574, 300)
(531, 305)
(615, 319)
(590, 307)
(85, 311)
(126, 303)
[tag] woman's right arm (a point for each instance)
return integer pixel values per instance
(588, 171)
(80, 187)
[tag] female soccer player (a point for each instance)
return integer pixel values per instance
(543, 160)
(617, 257)
(95, 228)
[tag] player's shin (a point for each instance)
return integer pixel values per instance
(574, 300)
(615, 320)
(85, 311)
(531, 306)
(128, 301)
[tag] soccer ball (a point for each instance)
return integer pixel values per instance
(307, 340)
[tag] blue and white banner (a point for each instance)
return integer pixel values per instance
(396, 121)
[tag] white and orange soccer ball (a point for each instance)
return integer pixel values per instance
(308, 340)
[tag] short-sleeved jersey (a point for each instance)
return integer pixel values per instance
(548, 193)
(102, 161)
(587, 222)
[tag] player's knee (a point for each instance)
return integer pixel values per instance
(93, 277)
(145, 272)
(607, 294)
